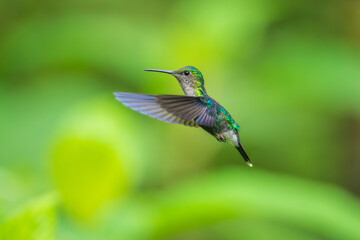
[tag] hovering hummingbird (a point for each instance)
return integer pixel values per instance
(197, 108)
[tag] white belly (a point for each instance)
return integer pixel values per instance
(232, 137)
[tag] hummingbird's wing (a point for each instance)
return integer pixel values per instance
(187, 110)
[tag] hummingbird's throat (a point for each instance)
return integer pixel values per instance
(193, 89)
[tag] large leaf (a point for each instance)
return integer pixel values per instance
(90, 162)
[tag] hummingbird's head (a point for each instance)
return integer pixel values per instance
(190, 79)
(189, 74)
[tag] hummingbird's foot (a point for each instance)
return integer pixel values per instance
(221, 138)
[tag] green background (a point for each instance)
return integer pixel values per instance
(77, 164)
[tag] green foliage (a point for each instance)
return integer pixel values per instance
(243, 202)
(84, 184)
(89, 159)
(33, 221)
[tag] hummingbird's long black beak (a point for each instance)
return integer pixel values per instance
(158, 70)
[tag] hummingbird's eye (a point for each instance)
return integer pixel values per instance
(186, 73)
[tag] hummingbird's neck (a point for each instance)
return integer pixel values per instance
(194, 89)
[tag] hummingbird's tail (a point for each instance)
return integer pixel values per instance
(241, 149)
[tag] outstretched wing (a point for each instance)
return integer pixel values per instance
(187, 110)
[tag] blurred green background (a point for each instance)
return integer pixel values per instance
(77, 164)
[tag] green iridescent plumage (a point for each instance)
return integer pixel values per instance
(197, 108)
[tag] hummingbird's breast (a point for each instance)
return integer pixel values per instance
(226, 129)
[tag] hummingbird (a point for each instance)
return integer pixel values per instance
(194, 109)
